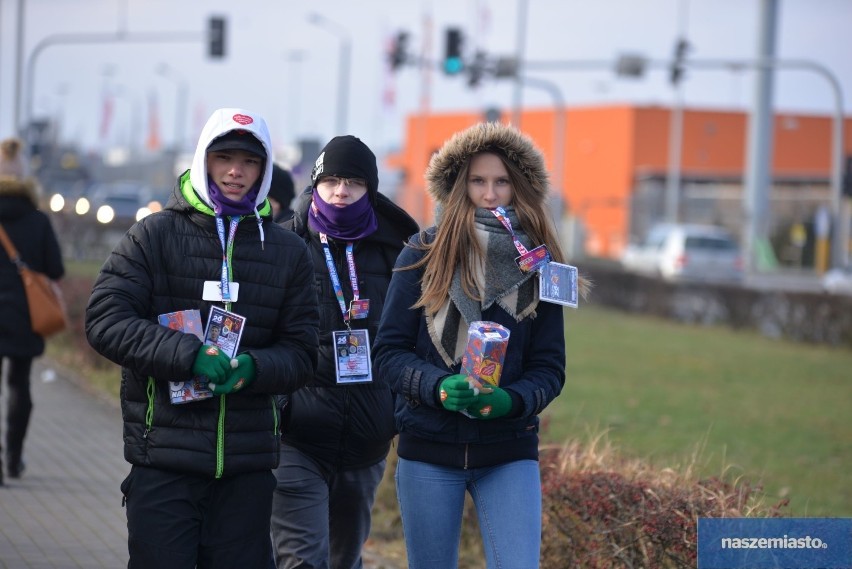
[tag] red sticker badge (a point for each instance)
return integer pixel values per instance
(243, 119)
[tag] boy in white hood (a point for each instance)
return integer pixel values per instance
(200, 487)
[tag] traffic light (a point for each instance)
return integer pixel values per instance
(453, 63)
(399, 51)
(677, 68)
(476, 70)
(216, 37)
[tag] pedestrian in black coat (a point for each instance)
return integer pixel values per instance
(338, 428)
(199, 493)
(32, 234)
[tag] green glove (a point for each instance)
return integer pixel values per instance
(491, 405)
(455, 392)
(239, 378)
(212, 363)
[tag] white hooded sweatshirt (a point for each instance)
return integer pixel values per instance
(220, 123)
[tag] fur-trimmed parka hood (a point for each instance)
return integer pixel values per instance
(22, 188)
(14, 174)
(444, 166)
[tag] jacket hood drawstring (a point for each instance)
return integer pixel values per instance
(259, 227)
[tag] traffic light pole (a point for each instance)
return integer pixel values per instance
(840, 213)
(559, 125)
(83, 39)
(840, 247)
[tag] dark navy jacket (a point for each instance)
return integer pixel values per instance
(406, 359)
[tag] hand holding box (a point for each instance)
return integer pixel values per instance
(486, 350)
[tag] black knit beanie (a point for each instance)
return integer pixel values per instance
(348, 157)
(282, 186)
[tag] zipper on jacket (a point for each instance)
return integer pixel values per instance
(220, 426)
(341, 446)
(150, 390)
(276, 422)
(220, 438)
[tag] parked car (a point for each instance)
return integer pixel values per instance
(838, 280)
(123, 203)
(686, 252)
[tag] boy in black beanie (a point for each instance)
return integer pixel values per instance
(338, 429)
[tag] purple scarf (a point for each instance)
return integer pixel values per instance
(355, 221)
(228, 207)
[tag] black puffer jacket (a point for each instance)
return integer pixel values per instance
(347, 426)
(33, 237)
(160, 266)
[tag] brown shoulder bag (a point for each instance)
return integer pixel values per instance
(44, 298)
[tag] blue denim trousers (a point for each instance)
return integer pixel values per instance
(508, 505)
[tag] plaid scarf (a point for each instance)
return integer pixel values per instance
(499, 280)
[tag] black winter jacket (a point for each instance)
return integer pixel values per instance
(32, 234)
(160, 266)
(347, 426)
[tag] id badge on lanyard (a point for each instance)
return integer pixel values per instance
(352, 356)
(352, 347)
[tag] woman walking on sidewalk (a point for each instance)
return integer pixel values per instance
(30, 231)
(490, 185)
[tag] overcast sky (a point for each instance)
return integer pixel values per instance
(283, 66)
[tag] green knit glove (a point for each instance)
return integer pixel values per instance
(455, 392)
(491, 405)
(239, 378)
(212, 363)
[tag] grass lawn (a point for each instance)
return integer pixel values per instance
(774, 412)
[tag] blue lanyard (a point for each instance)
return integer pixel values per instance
(227, 250)
(335, 279)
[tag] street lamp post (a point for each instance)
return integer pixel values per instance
(61, 91)
(343, 71)
(180, 107)
(635, 65)
(295, 58)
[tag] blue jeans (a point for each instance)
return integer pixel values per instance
(508, 505)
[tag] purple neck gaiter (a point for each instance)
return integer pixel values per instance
(355, 221)
(228, 207)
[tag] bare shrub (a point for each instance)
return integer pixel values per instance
(604, 511)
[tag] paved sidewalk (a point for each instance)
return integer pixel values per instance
(65, 511)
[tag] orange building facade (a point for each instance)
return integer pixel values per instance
(615, 162)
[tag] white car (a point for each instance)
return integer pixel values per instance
(838, 280)
(686, 252)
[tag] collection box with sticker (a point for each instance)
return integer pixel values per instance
(485, 353)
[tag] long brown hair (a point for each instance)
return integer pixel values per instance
(455, 243)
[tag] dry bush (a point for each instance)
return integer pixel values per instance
(77, 353)
(603, 511)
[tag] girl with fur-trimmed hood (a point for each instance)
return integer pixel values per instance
(491, 189)
(32, 234)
